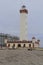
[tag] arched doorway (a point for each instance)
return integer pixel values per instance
(13, 46)
(24, 45)
(19, 45)
(29, 45)
(8, 45)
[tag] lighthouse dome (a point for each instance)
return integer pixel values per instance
(23, 9)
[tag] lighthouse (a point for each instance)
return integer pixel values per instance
(23, 23)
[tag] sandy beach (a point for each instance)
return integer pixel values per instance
(21, 57)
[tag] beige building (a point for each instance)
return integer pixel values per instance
(22, 44)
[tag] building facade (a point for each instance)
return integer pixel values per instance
(22, 44)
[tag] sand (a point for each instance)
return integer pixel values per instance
(21, 57)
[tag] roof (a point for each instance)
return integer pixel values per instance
(23, 6)
(33, 37)
(19, 41)
(38, 40)
(24, 11)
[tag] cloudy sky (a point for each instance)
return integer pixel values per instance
(10, 16)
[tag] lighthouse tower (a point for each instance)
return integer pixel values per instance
(23, 23)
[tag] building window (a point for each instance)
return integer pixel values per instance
(13, 46)
(19, 45)
(8, 45)
(29, 45)
(24, 45)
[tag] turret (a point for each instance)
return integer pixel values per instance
(33, 39)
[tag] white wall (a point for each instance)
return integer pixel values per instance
(23, 26)
(36, 45)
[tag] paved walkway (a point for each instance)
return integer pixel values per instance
(21, 57)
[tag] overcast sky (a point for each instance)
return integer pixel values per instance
(10, 16)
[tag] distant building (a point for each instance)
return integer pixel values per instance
(6, 36)
(23, 42)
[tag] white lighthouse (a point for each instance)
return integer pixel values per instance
(23, 23)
